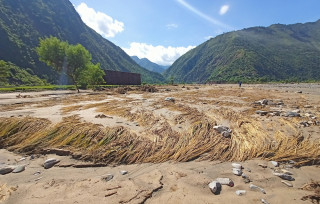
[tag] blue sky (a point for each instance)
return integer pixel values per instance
(163, 30)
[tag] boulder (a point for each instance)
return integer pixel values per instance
(5, 170)
(19, 169)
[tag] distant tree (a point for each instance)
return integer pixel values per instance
(74, 60)
(4, 73)
(171, 80)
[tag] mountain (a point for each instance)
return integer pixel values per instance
(147, 64)
(258, 54)
(23, 23)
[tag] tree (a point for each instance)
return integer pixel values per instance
(93, 75)
(4, 72)
(74, 60)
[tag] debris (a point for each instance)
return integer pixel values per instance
(222, 129)
(215, 187)
(257, 188)
(262, 113)
(263, 165)
(241, 192)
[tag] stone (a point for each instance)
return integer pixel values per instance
(287, 183)
(123, 172)
(284, 176)
(5, 170)
(237, 172)
(215, 187)
(226, 134)
(240, 192)
(107, 177)
(170, 99)
(50, 163)
(221, 129)
(19, 169)
(274, 163)
(225, 181)
(262, 113)
(236, 165)
(257, 188)
(292, 114)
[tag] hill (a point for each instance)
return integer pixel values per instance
(147, 64)
(274, 53)
(22, 23)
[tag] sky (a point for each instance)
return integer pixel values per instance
(163, 30)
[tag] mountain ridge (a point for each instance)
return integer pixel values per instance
(258, 54)
(147, 64)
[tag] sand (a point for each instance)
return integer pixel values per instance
(166, 182)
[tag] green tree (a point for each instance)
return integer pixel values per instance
(4, 73)
(93, 75)
(75, 60)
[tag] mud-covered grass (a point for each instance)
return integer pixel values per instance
(179, 131)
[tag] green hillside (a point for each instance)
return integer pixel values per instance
(258, 54)
(151, 66)
(23, 22)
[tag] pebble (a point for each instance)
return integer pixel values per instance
(241, 192)
(215, 187)
(264, 201)
(19, 169)
(257, 188)
(225, 181)
(5, 170)
(284, 176)
(170, 99)
(287, 183)
(108, 177)
(236, 165)
(237, 172)
(50, 163)
(274, 163)
(123, 172)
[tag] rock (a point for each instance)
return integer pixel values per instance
(274, 163)
(22, 159)
(225, 181)
(264, 102)
(237, 172)
(19, 169)
(226, 134)
(262, 113)
(240, 192)
(236, 165)
(292, 114)
(264, 201)
(299, 91)
(50, 163)
(215, 187)
(257, 188)
(307, 106)
(5, 170)
(123, 172)
(170, 99)
(287, 183)
(108, 177)
(221, 129)
(284, 176)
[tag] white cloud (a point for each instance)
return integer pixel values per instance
(100, 22)
(171, 26)
(224, 9)
(203, 15)
(157, 54)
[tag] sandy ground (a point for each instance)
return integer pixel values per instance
(168, 182)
